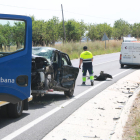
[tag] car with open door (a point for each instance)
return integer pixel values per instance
(57, 70)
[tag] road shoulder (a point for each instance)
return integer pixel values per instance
(102, 116)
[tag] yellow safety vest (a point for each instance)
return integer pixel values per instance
(86, 56)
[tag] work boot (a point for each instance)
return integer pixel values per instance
(92, 83)
(83, 83)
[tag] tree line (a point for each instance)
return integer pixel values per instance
(12, 35)
(50, 31)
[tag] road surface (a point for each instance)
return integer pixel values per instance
(46, 113)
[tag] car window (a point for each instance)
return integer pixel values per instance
(12, 36)
(65, 60)
(44, 52)
(68, 59)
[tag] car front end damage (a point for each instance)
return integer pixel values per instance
(39, 76)
(52, 70)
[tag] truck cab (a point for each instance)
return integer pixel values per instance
(15, 63)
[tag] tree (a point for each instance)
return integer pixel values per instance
(121, 28)
(2, 41)
(44, 32)
(18, 33)
(83, 27)
(96, 31)
(135, 30)
(37, 32)
(92, 32)
(51, 31)
(74, 30)
(6, 32)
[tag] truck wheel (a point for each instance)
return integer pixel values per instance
(122, 65)
(70, 92)
(3, 111)
(15, 110)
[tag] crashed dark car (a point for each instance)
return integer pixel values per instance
(52, 69)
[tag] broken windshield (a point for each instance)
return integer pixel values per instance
(44, 52)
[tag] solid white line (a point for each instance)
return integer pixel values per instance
(41, 118)
(121, 72)
(105, 62)
(102, 63)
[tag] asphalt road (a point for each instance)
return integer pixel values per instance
(47, 112)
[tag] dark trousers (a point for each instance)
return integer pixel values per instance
(87, 67)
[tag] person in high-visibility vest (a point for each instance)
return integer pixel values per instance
(86, 58)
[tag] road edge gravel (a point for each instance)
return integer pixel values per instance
(119, 130)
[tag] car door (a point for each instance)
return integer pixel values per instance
(15, 57)
(68, 73)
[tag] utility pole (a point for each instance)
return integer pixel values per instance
(104, 33)
(63, 25)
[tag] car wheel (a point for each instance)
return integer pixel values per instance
(70, 92)
(15, 110)
(122, 65)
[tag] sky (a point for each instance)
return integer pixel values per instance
(90, 11)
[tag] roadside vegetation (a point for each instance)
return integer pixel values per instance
(97, 47)
(51, 31)
(47, 33)
(132, 127)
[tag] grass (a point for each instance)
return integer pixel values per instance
(12, 49)
(132, 127)
(137, 128)
(74, 49)
(97, 48)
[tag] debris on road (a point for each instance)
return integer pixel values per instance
(105, 113)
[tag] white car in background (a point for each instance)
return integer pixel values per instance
(129, 39)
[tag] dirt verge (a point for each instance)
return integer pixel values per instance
(132, 128)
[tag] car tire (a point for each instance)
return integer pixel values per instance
(70, 92)
(15, 110)
(122, 66)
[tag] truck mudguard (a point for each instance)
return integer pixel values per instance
(15, 57)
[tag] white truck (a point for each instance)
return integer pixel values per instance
(130, 53)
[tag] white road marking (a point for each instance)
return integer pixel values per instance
(41, 118)
(105, 62)
(101, 63)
